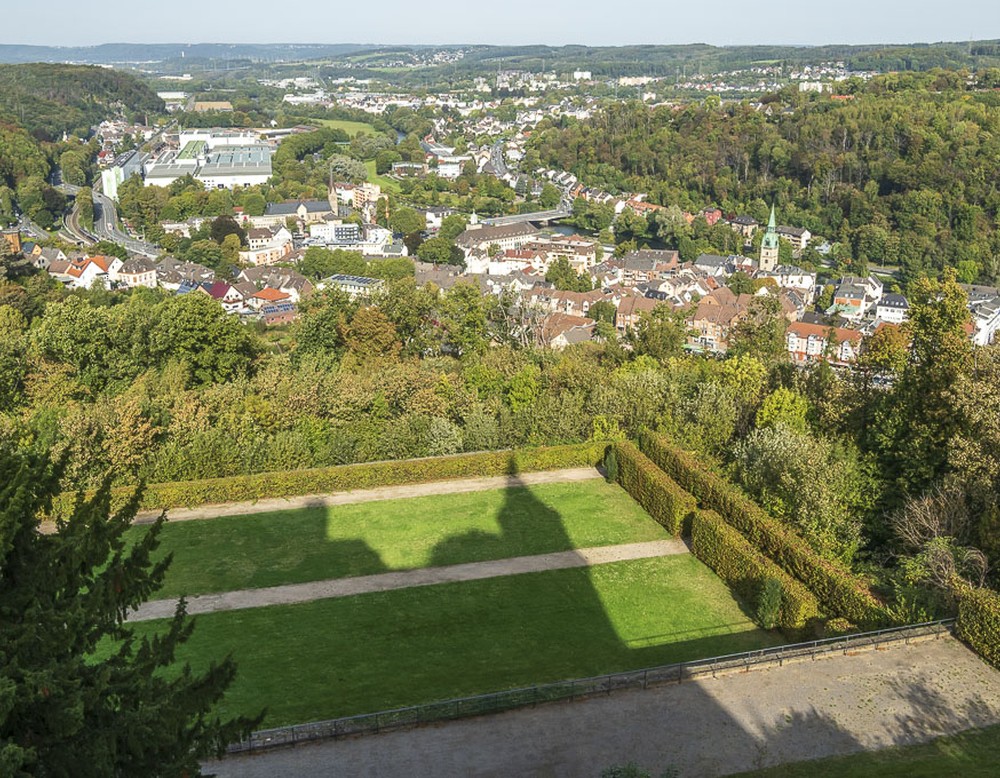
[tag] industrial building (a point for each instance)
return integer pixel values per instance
(220, 159)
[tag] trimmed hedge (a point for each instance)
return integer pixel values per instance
(979, 621)
(653, 489)
(839, 592)
(294, 483)
(745, 569)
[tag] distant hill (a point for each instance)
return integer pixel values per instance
(603, 61)
(137, 53)
(615, 61)
(48, 100)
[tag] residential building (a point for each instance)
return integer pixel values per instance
(337, 232)
(290, 282)
(480, 238)
(83, 273)
(802, 282)
(306, 211)
(357, 195)
(714, 265)
(279, 313)
(715, 316)
(811, 342)
(138, 271)
(355, 286)
(630, 310)
(267, 246)
(12, 238)
(744, 225)
(560, 330)
(267, 296)
(854, 296)
(646, 265)
(171, 273)
(892, 308)
(797, 236)
(985, 320)
(42, 257)
(575, 303)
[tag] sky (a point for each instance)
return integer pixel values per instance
(554, 22)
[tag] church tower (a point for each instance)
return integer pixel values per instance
(769, 246)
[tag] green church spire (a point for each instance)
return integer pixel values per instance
(771, 236)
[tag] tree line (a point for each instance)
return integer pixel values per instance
(897, 175)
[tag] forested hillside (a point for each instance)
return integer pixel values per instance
(38, 103)
(901, 172)
(20, 156)
(49, 100)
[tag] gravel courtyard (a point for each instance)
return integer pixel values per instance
(716, 726)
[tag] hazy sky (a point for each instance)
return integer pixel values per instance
(557, 22)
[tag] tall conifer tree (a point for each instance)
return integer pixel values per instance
(79, 694)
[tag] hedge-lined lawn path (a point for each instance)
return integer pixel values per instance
(346, 587)
(320, 543)
(709, 727)
(404, 491)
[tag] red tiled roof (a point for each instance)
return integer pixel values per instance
(272, 295)
(805, 330)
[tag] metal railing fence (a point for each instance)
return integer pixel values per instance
(465, 707)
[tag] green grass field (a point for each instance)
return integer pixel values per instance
(371, 652)
(387, 184)
(267, 549)
(972, 754)
(351, 128)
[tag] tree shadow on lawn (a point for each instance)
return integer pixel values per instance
(599, 648)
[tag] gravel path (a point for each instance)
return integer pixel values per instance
(289, 594)
(715, 726)
(569, 475)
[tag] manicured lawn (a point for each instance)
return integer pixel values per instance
(387, 184)
(267, 549)
(372, 652)
(972, 754)
(351, 128)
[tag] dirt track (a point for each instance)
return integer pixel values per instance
(290, 594)
(457, 486)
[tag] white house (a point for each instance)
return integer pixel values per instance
(480, 238)
(355, 286)
(267, 252)
(986, 320)
(892, 308)
(84, 273)
(808, 342)
(138, 271)
(336, 232)
(803, 282)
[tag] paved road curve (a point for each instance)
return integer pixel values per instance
(291, 594)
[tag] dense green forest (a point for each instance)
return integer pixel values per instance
(38, 104)
(902, 173)
(49, 100)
